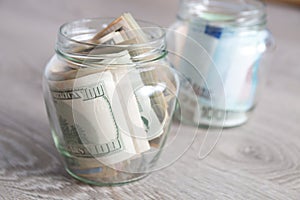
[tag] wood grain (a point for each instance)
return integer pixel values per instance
(259, 160)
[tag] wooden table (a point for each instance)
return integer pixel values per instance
(260, 160)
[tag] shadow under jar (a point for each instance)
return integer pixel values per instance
(109, 106)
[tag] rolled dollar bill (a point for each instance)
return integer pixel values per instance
(94, 116)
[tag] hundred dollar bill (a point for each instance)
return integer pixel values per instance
(94, 118)
(152, 124)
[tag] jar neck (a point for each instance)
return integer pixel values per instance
(73, 44)
(231, 14)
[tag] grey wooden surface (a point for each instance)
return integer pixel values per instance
(260, 160)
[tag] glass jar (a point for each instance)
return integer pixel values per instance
(109, 106)
(233, 33)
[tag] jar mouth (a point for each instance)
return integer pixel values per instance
(77, 35)
(237, 14)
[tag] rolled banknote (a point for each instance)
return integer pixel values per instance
(94, 117)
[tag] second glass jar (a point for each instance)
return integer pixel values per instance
(234, 35)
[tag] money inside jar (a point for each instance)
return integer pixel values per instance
(103, 116)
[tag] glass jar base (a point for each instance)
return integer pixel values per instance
(93, 171)
(99, 183)
(227, 122)
(222, 119)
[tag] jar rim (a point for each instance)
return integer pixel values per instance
(73, 42)
(107, 20)
(229, 14)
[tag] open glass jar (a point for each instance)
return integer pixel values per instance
(109, 106)
(234, 34)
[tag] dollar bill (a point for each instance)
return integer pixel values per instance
(94, 119)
